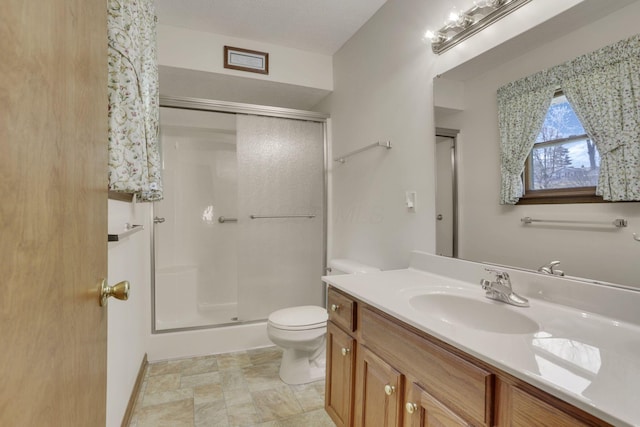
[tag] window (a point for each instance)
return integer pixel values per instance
(564, 164)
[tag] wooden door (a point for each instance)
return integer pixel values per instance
(339, 384)
(424, 410)
(378, 391)
(53, 212)
(444, 196)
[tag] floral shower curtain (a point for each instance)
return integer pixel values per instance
(134, 156)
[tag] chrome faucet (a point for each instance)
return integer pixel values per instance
(548, 269)
(501, 290)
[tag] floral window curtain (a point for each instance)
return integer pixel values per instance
(134, 157)
(603, 88)
(522, 107)
(605, 94)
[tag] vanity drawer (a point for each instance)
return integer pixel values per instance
(341, 310)
(462, 386)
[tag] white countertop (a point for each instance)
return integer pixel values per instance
(588, 360)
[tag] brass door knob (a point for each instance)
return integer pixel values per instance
(411, 407)
(335, 307)
(119, 291)
(345, 351)
(389, 389)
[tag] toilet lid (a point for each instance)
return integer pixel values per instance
(303, 317)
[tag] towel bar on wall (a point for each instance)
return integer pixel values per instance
(129, 230)
(385, 144)
(618, 222)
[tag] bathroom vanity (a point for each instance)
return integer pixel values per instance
(422, 347)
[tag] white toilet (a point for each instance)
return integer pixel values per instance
(301, 332)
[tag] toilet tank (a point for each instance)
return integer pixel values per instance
(349, 266)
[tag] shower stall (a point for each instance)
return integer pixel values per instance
(241, 230)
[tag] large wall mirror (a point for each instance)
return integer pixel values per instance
(588, 245)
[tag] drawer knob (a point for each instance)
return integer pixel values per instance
(411, 407)
(335, 307)
(389, 389)
(345, 351)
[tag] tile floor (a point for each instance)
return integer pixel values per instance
(234, 389)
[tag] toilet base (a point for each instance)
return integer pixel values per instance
(297, 367)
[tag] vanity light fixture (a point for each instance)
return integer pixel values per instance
(462, 25)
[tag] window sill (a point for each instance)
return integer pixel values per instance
(561, 196)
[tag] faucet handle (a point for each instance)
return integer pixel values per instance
(500, 275)
(548, 269)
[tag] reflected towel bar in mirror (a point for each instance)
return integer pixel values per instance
(618, 222)
(224, 219)
(280, 216)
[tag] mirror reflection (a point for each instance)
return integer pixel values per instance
(582, 236)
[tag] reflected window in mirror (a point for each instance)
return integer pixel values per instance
(564, 163)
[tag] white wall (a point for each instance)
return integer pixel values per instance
(129, 321)
(490, 232)
(197, 50)
(382, 91)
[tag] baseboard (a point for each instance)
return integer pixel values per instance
(126, 420)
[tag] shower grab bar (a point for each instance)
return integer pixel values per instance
(224, 219)
(618, 222)
(280, 216)
(385, 144)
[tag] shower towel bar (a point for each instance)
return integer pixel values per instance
(280, 216)
(224, 219)
(385, 144)
(129, 229)
(618, 222)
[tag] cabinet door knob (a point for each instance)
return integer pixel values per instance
(335, 307)
(389, 389)
(411, 407)
(345, 351)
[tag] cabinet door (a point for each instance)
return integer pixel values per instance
(339, 385)
(378, 391)
(519, 408)
(424, 410)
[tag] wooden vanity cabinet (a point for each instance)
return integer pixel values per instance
(518, 407)
(457, 385)
(340, 375)
(395, 375)
(424, 410)
(379, 390)
(342, 311)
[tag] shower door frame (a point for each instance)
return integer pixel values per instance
(213, 106)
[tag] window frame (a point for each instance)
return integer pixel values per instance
(555, 195)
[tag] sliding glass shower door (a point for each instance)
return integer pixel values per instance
(240, 232)
(280, 207)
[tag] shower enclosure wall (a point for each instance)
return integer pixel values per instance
(241, 231)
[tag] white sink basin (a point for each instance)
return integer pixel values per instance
(484, 315)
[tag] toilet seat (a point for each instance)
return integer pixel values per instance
(299, 318)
